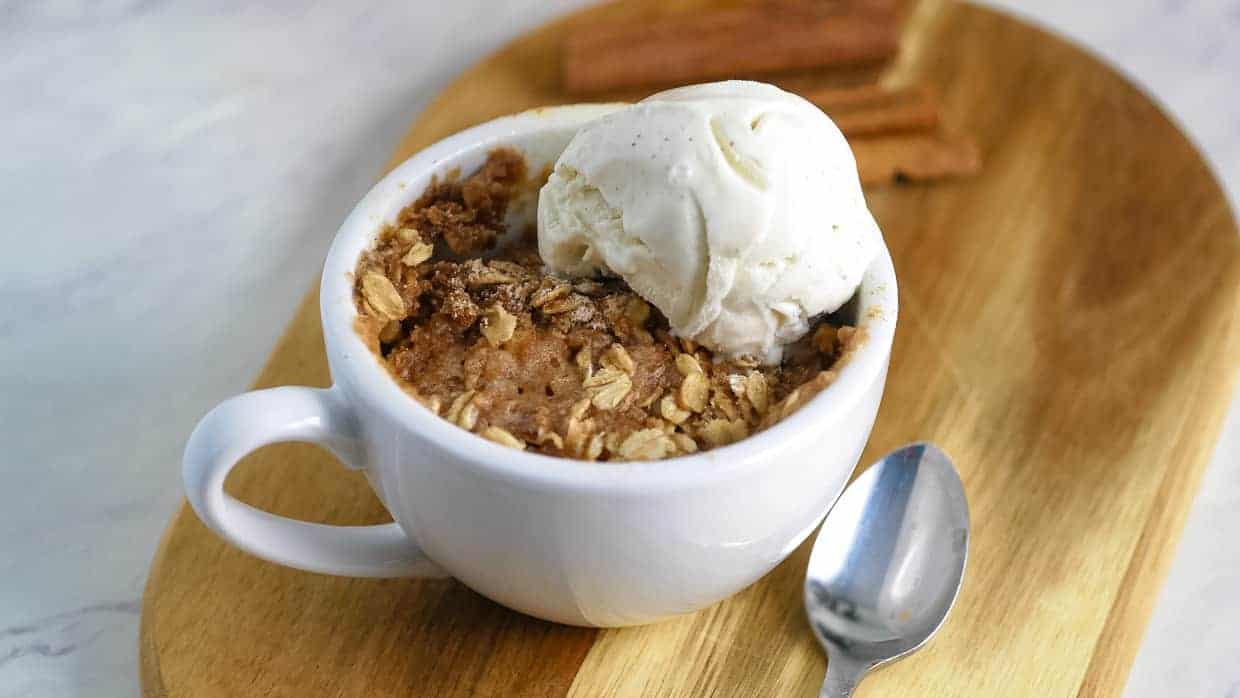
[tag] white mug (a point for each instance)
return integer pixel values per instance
(599, 544)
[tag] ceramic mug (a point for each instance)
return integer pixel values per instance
(600, 544)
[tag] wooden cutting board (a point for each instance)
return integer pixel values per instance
(1068, 331)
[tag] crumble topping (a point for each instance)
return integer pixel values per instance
(463, 315)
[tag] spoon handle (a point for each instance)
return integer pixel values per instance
(843, 675)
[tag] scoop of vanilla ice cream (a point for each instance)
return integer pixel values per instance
(733, 207)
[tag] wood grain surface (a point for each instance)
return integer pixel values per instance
(1068, 332)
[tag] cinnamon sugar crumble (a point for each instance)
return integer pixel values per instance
(464, 316)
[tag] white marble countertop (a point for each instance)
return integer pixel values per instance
(170, 177)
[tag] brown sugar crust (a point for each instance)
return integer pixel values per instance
(468, 321)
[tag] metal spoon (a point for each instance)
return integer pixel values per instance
(887, 564)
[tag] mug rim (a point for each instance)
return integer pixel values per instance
(360, 370)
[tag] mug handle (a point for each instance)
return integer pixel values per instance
(241, 424)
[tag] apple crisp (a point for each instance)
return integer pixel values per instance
(462, 313)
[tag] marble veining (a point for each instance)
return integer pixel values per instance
(62, 633)
(170, 177)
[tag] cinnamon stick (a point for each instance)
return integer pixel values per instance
(917, 157)
(723, 44)
(871, 110)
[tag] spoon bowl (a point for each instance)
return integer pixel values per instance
(887, 564)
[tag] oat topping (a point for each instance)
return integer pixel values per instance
(687, 364)
(502, 437)
(382, 296)
(462, 313)
(756, 392)
(608, 388)
(618, 357)
(497, 325)
(419, 252)
(646, 444)
(671, 411)
(721, 432)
